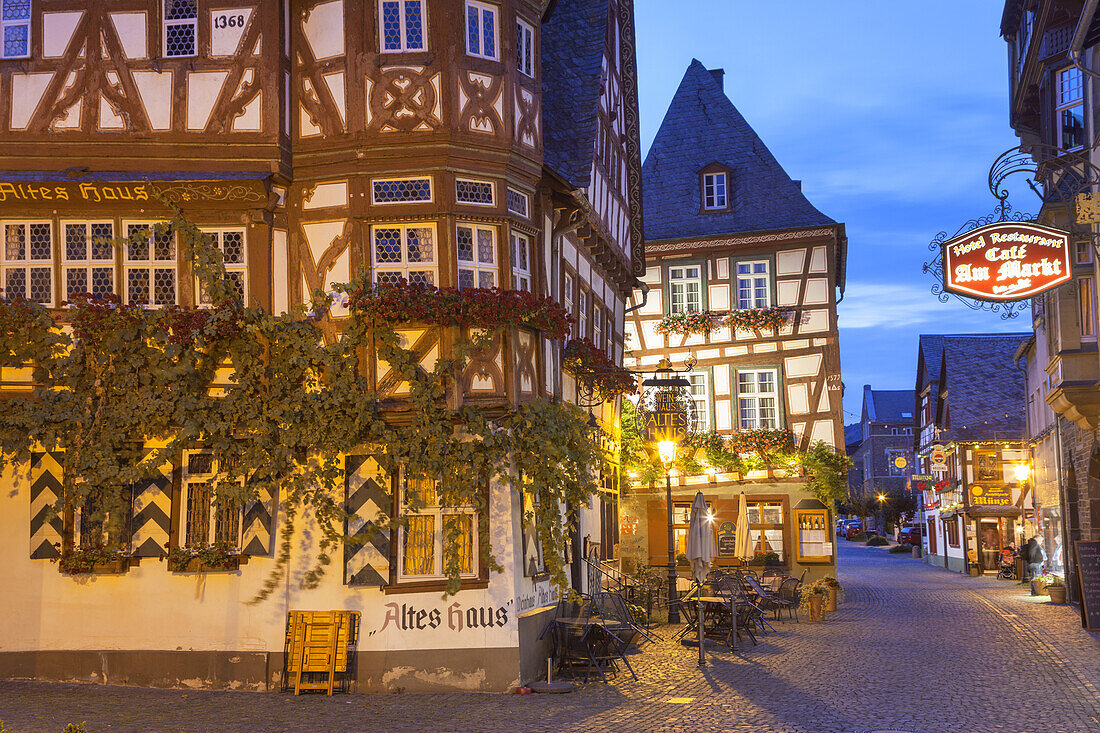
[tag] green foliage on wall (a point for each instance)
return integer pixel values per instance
(293, 406)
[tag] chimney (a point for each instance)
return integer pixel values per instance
(718, 74)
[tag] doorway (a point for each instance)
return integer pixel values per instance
(989, 544)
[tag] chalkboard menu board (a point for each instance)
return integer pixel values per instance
(1088, 571)
(727, 540)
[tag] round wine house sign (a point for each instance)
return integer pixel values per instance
(1006, 261)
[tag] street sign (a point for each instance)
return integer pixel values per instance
(1006, 261)
(668, 420)
(990, 496)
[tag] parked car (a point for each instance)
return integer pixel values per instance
(853, 528)
(910, 534)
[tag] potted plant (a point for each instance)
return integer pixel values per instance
(813, 602)
(1056, 589)
(832, 592)
(682, 560)
(1040, 582)
(765, 558)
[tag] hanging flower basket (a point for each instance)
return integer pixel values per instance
(759, 319)
(591, 366)
(687, 324)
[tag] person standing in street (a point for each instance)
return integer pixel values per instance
(1035, 556)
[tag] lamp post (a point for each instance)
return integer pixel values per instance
(666, 425)
(881, 518)
(666, 450)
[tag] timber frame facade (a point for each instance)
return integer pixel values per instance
(449, 142)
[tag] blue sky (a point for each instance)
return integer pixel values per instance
(889, 112)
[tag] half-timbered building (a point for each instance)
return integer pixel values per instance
(727, 230)
(457, 143)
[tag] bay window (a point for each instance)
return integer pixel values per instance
(481, 30)
(15, 23)
(401, 25)
(521, 262)
(477, 256)
(181, 28)
(404, 251)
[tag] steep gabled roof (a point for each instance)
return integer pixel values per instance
(702, 127)
(893, 405)
(929, 357)
(985, 390)
(572, 63)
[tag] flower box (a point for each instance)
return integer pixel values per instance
(196, 565)
(111, 567)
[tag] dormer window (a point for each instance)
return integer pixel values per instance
(714, 191)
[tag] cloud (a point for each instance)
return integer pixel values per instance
(875, 305)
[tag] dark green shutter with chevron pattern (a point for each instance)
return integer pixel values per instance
(367, 496)
(46, 523)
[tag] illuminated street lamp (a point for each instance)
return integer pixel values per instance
(1022, 471)
(881, 519)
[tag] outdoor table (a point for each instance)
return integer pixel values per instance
(722, 603)
(578, 643)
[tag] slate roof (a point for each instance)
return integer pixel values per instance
(702, 127)
(929, 354)
(985, 391)
(853, 435)
(889, 404)
(572, 63)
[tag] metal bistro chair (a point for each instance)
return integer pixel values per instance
(791, 593)
(612, 608)
(767, 600)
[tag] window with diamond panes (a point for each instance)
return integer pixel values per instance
(232, 243)
(401, 190)
(428, 526)
(479, 193)
(525, 48)
(758, 399)
(88, 258)
(28, 261)
(404, 251)
(521, 262)
(401, 23)
(15, 24)
(518, 203)
(150, 270)
(753, 286)
(207, 518)
(181, 28)
(477, 256)
(481, 30)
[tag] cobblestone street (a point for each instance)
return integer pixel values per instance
(912, 648)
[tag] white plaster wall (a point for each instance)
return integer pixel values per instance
(149, 608)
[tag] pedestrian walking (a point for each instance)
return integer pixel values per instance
(1035, 556)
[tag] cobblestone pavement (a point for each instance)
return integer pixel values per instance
(912, 648)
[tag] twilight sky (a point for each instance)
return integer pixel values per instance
(889, 112)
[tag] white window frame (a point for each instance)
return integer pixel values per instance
(438, 512)
(582, 313)
(476, 267)
(5, 24)
(492, 192)
(406, 266)
(525, 48)
(402, 6)
(400, 179)
(700, 400)
(1065, 101)
(87, 264)
(597, 326)
(754, 301)
(233, 270)
(521, 271)
(715, 191)
(568, 288)
(746, 398)
(25, 263)
(482, 9)
(150, 265)
(193, 22)
(521, 196)
(214, 478)
(679, 289)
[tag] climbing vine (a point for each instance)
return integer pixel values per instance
(278, 406)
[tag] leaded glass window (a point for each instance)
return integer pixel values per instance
(28, 261)
(404, 251)
(401, 190)
(477, 258)
(402, 25)
(150, 272)
(181, 28)
(521, 262)
(525, 49)
(232, 244)
(15, 24)
(474, 192)
(88, 258)
(481, 30)
(518, 203)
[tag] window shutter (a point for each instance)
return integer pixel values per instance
(152, 518)
(46, 524)
(367, 498)
(258, 513)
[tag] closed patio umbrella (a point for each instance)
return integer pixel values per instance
(700, 552)
(743, 542)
